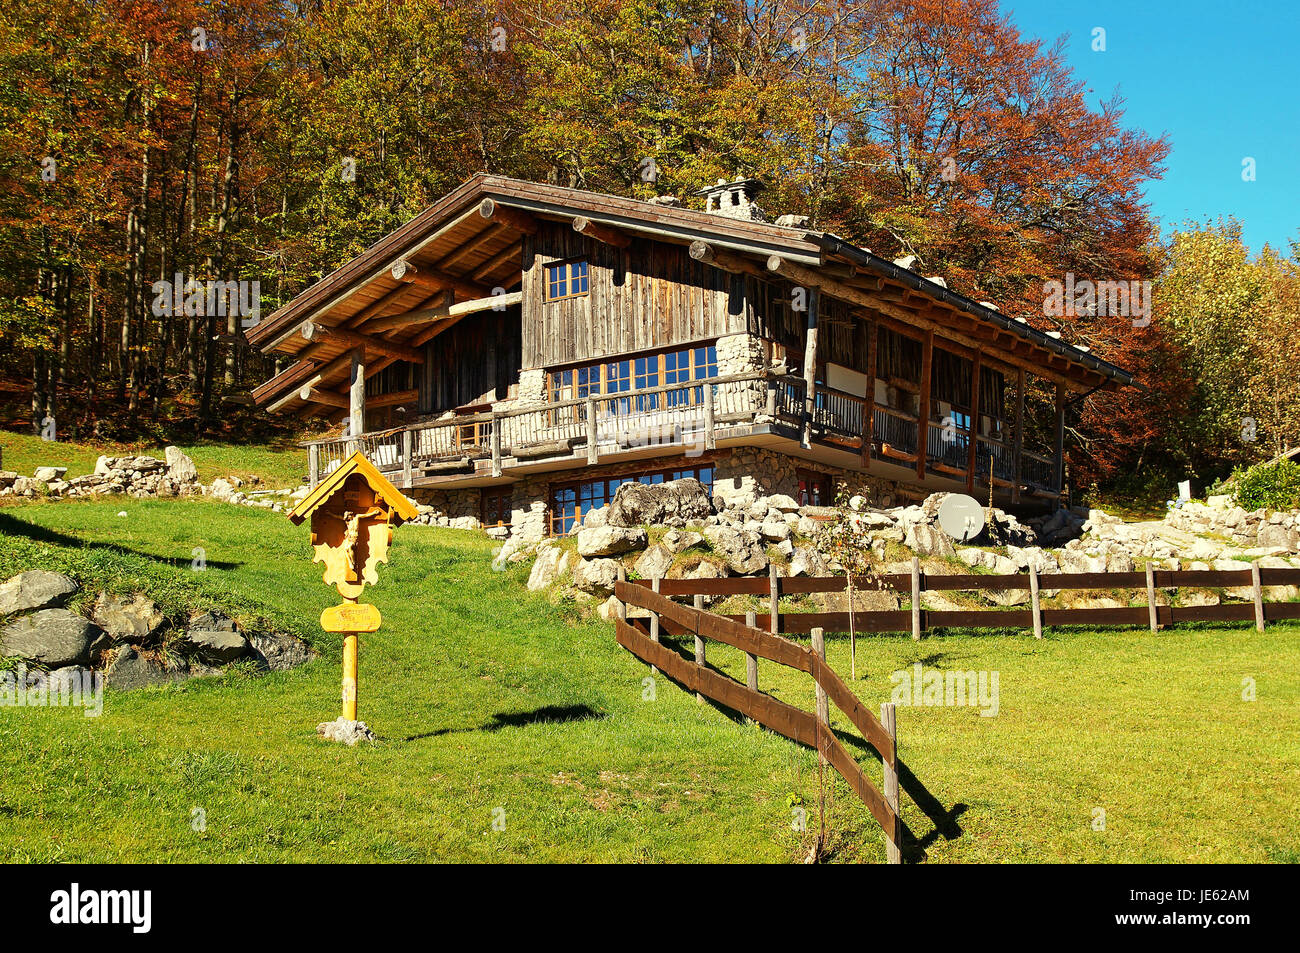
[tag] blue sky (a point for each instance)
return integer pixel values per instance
(1220, 78)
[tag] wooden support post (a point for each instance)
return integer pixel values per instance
(357, 395)
(774, 592)
(810, 366)
(1019, 441)
(313, 464)
(408, 448)
(923, 417)
(751, 661)
(1151, 599)
(496, 445)
(654, 620)
(350, 676)
(1257, 592)
(916, 598)
(972, 435)
(1059, 472)
(593, 436)
(894, 838)
(699, 646)
(710, 437)
(869, 408)
(1034, 604)
(772, 386)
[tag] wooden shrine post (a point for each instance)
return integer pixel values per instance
(353, 513)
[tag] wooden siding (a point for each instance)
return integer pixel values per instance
(473, 362)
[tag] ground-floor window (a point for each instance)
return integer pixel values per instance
(496, 507)
(571, 501)
(815, 489)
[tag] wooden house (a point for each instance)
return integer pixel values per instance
(517, 350)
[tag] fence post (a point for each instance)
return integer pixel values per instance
(916, 598)
(654, 621)
(774, 589)
(699, 645)
(1258, 592)
(620, 607)
(894, 838)
(1151, 599)
(592, 455)
(313, 464)
(1033, 599)
(407, 446)
(823, 703)
(751, 661)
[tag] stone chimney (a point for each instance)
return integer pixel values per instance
(734, 199)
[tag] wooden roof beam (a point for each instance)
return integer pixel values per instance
(446, 310)
(517, 219)
(725, 260)
(403, 270)
(319, 334)
(496, 261)
(601, 233)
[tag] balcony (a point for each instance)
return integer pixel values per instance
(690, 417)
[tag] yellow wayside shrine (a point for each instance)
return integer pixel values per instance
(353, 513)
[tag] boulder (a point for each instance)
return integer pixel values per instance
(775, 530)
(130, 669)
(53, 638)
(927, 540)
(641, 504)
(610, 540)
(279, 652)
(596, 576)
(49, 474)
(743, 552)
(551, 562)
(654, 562)
(128, 619)
(222, 489)
(36, 589)
(782, 502)
(180, 467)
(1275, 535)
(216, 647)
(808, 561)
(344, 731)
(680, 540)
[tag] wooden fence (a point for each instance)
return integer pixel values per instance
(917, 619)
(640, 636)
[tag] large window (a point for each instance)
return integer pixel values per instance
(566, 279)
(571, 501)
(667, 369)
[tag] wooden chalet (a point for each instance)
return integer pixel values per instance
(517, 350)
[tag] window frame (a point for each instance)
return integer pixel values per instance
(568, 265)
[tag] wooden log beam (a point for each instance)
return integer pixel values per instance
(320, 334)
(467, 248)
(517, 219)
(445, 310)
(327, 397)
(357, 394)
(810, 367)
(725, 260)
(601, 233)
(432, 280)
(393, 398)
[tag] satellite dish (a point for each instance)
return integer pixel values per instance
(961, 517)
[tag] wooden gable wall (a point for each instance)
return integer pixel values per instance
(475, 361)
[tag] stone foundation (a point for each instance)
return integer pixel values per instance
(752, 472)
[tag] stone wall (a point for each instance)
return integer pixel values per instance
(750, 473)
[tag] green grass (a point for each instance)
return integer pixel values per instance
(280, 463)
(487, 697)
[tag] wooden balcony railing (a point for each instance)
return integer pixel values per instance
(687, 415)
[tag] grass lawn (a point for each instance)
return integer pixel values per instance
(486, 697)
(279, 464)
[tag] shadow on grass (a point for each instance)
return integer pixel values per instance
(547, 714)
(40, 534)
(913, 847)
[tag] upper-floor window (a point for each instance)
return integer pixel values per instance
(566, 279)
(667, 368)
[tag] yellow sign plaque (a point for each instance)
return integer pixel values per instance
(350, 617)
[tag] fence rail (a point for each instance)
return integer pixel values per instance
(918, 619)
(641, 638)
